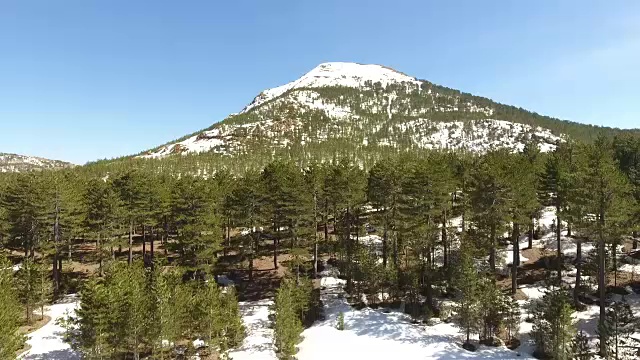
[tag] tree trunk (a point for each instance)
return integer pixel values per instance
(559, 247)
(315, 235)
(427, 278)
(492, 250)
(144, 241)
(531, 229)
(165, 235)
(445, 240)
(385, 238)
(100, 261)
(56, 281)
(516, 258)
(325, 217)
(227, 235)
(614, 251)
(347, 233)
(576, 289)
(130, 258)
(276, 242)
(152, 248)
(602, 275)
(395, 240)
(56, 246)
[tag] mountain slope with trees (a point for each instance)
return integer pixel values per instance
(21, 163)
(370, 111)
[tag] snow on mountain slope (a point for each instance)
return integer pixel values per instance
(364, 109)
(19, 163)
(336, 74)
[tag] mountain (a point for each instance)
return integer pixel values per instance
(370, 110)
(21, 163)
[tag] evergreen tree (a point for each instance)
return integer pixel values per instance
(287, 324)
(580, 347)
(383, 190)
(553, 329)
(169, 303)
(128, 289)
(102, 209)
(556, 190)
(198, 229)
(43, 288)
(133, 189)
(10, 340)
(25, 212)
(466, 280)
(28, 281)
(93, 320)
(618, 327)
(609, 205)
(490, 198)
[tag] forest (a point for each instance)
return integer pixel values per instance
(161, 259)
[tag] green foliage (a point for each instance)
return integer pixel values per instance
(291, 303)
(553, 329)
(10, 340)
(580, 347)
(340, 324)
(193, 211)
(132, 310)
(617, 329)
(466, 280)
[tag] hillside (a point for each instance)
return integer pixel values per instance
(365, 111)
(21, 163)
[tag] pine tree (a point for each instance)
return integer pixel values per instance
(133, 190)
(609, 202)
(618, 327)
(102, 215)
(169, 302)
(128, 288)
(290, 306)
(93, 320)
(42, 287)
(512, 317)
(26, 214)
(243, 205)
(198, 237)
(287, 325)
(383, 191)
(10, 340)
(28, 281)
(490, 198)
(553, 329)
(580, 347)
(466, 280)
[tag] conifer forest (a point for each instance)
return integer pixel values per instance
(504, 254)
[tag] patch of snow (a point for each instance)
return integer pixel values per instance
(47, 342)
(258, 345)
(374, 334)
(336, 74)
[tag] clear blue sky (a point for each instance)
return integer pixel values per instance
(88, 79)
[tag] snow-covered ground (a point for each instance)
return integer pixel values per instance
(374, 334)
(336, 74)
(258, 345)
(48, 341)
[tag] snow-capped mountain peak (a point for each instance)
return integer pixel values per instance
(336, 74)
(367, 110)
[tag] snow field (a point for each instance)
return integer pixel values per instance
(258, 345)
(48, 341)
